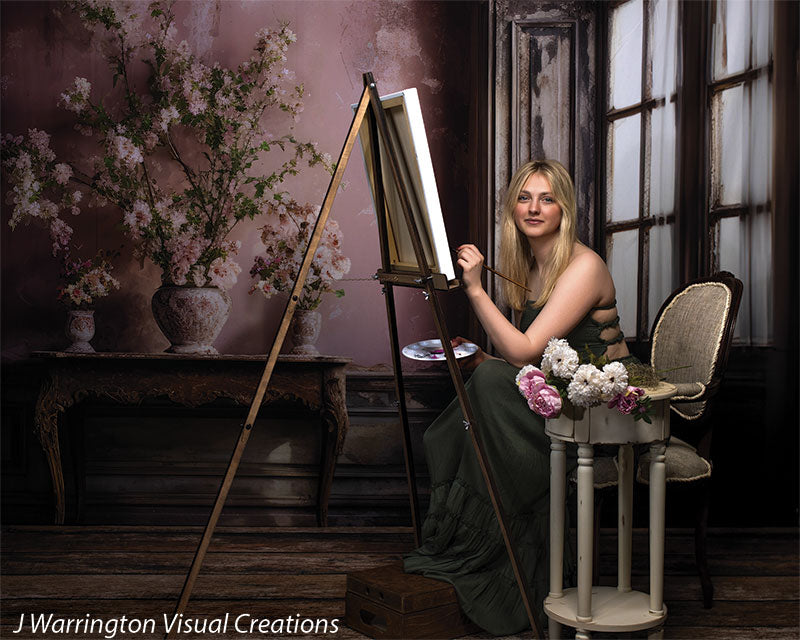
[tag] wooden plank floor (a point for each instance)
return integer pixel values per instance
(107, 572)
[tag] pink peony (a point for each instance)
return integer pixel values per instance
(626, 401)
(529, 377)
(545, 401)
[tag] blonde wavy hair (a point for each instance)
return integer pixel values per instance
(516, 257)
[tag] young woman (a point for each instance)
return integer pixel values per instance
(571, 296)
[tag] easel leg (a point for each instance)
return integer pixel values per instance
(388, 291)
(400, 394)
(280, 336)
(458, 381)
(381, 128)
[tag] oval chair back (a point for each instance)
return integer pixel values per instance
(691, 339)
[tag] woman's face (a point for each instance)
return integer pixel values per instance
(536, 214)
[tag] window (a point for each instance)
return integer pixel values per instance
(728, 146)
(739, 170)
(638, 227)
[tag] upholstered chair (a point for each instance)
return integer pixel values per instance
(690, 342)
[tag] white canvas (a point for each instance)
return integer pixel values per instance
(407, 130)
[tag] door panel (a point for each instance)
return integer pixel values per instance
(545, 97)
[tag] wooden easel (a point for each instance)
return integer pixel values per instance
(369, 107)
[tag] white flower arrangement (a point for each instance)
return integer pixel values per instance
(285, 237)
(40, 194)
(203, 120)
(564, 378)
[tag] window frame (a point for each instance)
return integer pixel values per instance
(715, 210)
(694, 214)
(607, 116)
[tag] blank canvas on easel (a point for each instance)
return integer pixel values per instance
(407, 130)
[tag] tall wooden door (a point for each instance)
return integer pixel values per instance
(544, 98)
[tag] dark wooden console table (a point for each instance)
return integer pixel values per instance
(318, 383)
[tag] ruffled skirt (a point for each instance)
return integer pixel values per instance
(461, 539)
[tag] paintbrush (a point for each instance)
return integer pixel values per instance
(497, 273)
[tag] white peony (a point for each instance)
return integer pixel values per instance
(560, 358)
(614, 380)
(585, 388)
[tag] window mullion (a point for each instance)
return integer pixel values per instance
(644, 178)
(692, 235)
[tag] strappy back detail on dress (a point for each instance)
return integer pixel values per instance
(598, 331)
(608, 330)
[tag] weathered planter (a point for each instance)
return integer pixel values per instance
(80, 329)
(191, 317)
(305, 330)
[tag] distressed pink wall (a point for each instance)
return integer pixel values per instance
(405, 44)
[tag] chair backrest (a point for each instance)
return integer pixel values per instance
(692, 335)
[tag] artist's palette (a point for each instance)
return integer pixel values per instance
(432, 351)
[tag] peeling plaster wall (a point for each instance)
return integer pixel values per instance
(405, 44)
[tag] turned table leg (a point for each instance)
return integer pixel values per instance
(46, 429)
(334, 425)
(625, 515)
(585, 530)
(657, 505)
(53, 453)
(558, 490)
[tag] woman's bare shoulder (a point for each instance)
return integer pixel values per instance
(589, 272)
(585, 261)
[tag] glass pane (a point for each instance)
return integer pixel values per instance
(729, 246)
(729, 258)
(760, 151)
(761, 28)
(731, 36)
(662, 160)
(759, 280)
(663, 274)
(663, 47)
(625, 55)
(622, 184)
(744, 248)
(622, 252)
(728, 131)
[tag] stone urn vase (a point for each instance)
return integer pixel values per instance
(190, 317)
(305, 329)
(80, 329)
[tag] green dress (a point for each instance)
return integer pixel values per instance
(461, 540)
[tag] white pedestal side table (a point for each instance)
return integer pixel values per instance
(607, 609)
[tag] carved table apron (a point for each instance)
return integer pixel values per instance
(318, 383)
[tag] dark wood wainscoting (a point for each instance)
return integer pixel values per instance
(160, 464)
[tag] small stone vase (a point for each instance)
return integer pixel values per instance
(80, 329)
(305, 329)
(191, 317)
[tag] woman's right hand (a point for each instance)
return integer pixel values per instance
(471, 262)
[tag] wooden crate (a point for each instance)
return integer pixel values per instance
(385, 602)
